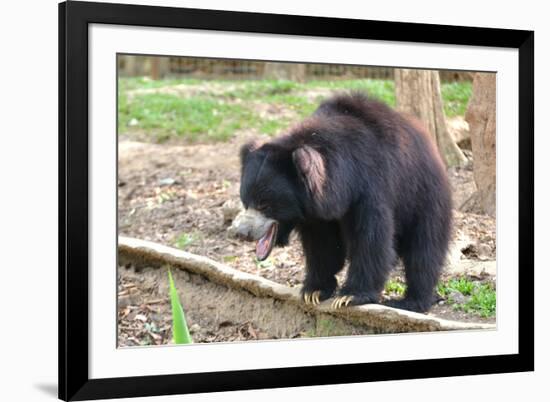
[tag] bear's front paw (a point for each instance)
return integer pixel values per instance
(347, 300)
(341, 301)
(315, 297)
(312, 297)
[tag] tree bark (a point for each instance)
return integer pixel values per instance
(418, 93)
(285, 71)
(160, 66)
(481, 117)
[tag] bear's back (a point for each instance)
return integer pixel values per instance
(358, 105)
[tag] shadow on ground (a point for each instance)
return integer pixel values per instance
(48, 389)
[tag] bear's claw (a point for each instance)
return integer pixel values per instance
(341, 301)
(312, 298)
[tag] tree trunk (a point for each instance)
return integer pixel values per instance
(285, 71)
(418, 93)
(160, 66)
(481, 117)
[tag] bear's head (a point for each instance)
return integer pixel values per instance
(276, 183)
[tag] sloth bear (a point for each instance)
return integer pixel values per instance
(358, 181)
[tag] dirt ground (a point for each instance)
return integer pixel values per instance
(145, 317)
(173, 194)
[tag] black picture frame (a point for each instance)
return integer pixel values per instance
(74, 18)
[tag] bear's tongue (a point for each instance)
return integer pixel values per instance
(266, 242)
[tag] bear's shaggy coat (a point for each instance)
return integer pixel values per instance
(358, 181)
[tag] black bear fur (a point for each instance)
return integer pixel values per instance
(358, 181)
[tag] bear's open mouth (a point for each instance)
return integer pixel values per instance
(266, 242)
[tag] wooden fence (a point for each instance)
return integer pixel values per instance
(165, 67)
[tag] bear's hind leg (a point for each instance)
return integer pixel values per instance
(325, 254)
(423, 256)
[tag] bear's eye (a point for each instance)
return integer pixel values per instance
(262, 206)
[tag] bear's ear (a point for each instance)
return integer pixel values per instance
(247, 148)
(311, 169)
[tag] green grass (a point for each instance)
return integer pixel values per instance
(229, 258)
(482, 302)
(481, 297)
(462, 285)
(326, 327)
(216, 117)
(395, 287)
(455, 97)
(253, 90)
(180, 332)
(267, 263)
(170, 115)
(185, 240)
(272, 127)
(382, 90)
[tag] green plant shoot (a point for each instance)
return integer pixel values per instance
(179, 325)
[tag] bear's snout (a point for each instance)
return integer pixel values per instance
(250, 224)
(243, 232)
